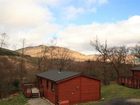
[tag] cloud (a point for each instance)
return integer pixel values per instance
(72, 12)
(20, 13)
(34, 20)
(26, 19)
(103, 2)
(64, 3)
(100, 2)
(35, 36)
(78, 37)
(53, 2)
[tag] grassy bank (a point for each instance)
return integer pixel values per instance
(115, 91)
(15, 100)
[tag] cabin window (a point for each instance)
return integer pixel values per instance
(52, 86)
(47, 83)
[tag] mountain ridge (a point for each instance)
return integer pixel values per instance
(37, 51)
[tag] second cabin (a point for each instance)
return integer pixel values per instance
(136, 72)
(133, 81)
(68, 87)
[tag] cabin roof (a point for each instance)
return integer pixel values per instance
(56, 75)
(136, 68)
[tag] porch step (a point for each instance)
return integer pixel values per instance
(35, 95)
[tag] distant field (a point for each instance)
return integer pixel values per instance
(17, 100)
(115, 91)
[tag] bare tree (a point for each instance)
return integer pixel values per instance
(40, 60)
(104, 54)
(63, 58)
(45, 60)
(22, 62)
(53, 57)
(136, 51)
(3, 40)
(117, 57)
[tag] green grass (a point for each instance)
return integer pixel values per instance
(118, 91)
(115, 91)
(16, 100)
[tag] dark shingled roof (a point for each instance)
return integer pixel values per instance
(56, 75)
(136, 68)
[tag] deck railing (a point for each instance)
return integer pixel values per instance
(129, 82)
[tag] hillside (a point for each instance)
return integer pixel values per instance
(13, 56)
(11, 62)
(37, 51)
(8, 52)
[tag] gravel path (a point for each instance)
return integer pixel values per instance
(38, 101)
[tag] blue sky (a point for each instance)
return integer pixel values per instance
(73, 22)
(111, 11)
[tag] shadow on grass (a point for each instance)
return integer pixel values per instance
(121, 102)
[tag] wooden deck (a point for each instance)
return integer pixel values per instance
(129, 82)
(30, 90)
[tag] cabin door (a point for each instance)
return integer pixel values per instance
(41, 89)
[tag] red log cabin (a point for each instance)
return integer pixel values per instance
(133, 81)
(136, 72)
(68, 87)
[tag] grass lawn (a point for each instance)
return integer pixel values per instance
(114, 91)
(16, 100)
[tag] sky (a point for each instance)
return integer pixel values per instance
(71, 23)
